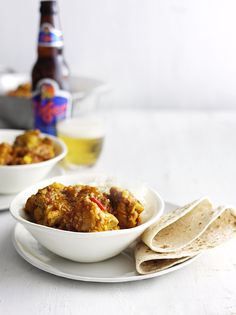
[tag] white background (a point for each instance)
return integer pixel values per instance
(154, 53)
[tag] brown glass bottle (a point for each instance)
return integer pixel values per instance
(51, 99)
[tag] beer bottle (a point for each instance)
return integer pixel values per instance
(51, 99)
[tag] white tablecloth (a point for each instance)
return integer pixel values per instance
(184, 155)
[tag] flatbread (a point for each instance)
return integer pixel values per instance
(177, 229)
(148, 261)
(219, 231)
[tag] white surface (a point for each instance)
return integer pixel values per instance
(184, 155)
(5, 200)
(121, 268)
(15, 178)
(89, 247)
(154, 53)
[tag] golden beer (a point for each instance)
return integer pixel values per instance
(84, 139)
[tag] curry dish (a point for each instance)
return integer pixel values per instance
(27, 148)
(23, 90)
(83, 208)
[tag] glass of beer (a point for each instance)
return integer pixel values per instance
(84, 138)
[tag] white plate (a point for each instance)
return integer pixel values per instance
(118, 269)
(5, 200)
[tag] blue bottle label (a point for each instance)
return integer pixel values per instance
(51, 104)
(49, 36)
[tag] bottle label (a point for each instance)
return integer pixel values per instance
(51, 104)
(49, 36)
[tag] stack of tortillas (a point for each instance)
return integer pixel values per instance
(184, 233)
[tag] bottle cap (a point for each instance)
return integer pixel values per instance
(48, 6)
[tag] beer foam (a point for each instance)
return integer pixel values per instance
(84, 127)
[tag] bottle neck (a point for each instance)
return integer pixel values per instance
(50, 41)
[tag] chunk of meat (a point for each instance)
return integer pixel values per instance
(47, 206)
(5, 153)
(29, 140)
(125, 207)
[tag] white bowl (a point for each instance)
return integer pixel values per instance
(93, 246)
(14, 178)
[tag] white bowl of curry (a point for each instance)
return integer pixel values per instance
(26, 158)
(87, 217)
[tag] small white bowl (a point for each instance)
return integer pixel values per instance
(93, 246)
(14, 178)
